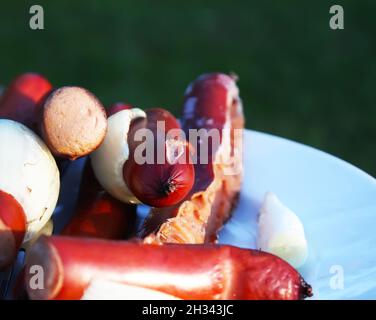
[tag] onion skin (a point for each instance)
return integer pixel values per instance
(13, 218)
(202, 272)
(21, 101)
(98, 214)
(154, 184)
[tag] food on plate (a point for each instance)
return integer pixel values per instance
(20, 101)
(190, 173)
(185, 271)
(29, 179)
(74, 122)
(98, 214)
(281, 232)
(211, 104)
(121, 168)
(110, 290)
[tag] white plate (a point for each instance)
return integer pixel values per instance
(335, 200)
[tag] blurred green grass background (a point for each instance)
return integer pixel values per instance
(298, 78)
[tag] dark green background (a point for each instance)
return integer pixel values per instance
(298, 78)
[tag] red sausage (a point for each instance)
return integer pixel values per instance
(21, 100)
(98, 214)
(12, 228)
(116, 107)
(165, 183)
(187, 272)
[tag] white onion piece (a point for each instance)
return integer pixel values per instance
(29, 173)
(108, 160)
(45, 231)
(281, 232)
